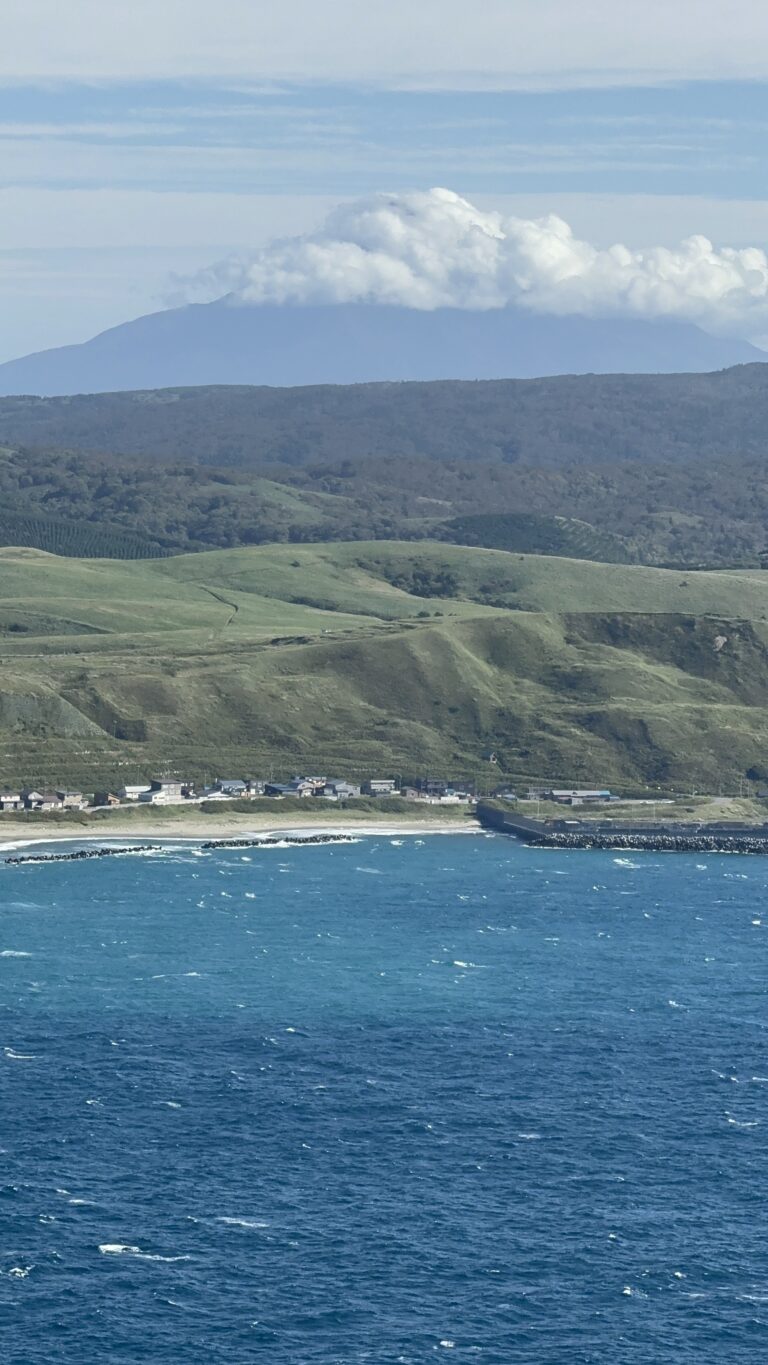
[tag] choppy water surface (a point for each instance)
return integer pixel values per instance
(381, 1102)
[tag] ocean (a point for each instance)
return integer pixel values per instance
(387, 1102)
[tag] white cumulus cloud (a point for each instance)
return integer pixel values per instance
(434, 249)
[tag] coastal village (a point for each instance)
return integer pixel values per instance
(172, 791)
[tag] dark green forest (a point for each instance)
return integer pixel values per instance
(117, 507)
(586, 419)
(649, 469)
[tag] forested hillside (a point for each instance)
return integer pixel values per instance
(109, 506)
(587, 419)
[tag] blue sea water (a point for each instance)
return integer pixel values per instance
(384, 1102)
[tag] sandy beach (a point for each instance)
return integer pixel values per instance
(141, 826)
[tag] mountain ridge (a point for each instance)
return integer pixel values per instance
(293, 345)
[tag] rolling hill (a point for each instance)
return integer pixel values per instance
(380, 656)
(225, 342)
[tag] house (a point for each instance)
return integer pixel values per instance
(380, 786)
(42, 800)
(72, 800)
(11, 800)
(432, 786)
(133, 792)
(317, 783)
(235, 787)
(166, 792)
(105, 798)
(338, 790)
(231, 786)
(297, 787)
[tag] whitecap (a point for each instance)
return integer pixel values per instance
(737, 1123)
(529, 1137)
(371, 871)
(19, 1272)
(169, 1260)
(11, 952)
(18, 1056)
(250, 1223)
(121, 1249)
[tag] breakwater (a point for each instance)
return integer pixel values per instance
(280, 841)
(695, 842)
(109, 851)
(594, 834)
(79, 855)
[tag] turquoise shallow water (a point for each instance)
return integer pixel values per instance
(384, 1102)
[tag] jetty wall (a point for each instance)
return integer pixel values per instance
(666, 837)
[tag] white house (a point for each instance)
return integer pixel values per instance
(133, 792)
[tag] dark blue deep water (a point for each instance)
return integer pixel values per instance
(384, 1102)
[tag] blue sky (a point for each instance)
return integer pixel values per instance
(125, 163)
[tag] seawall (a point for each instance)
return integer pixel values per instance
(659, 838)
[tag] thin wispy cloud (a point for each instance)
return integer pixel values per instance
(502, 44)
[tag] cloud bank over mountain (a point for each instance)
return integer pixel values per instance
(434, 249)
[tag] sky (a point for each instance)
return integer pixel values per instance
(141, 145)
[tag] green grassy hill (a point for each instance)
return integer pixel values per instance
(380, 656)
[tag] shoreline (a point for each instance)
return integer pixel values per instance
(16, 834)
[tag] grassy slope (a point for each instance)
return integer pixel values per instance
(285, 656)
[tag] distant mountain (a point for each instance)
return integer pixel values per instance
(225, 343)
